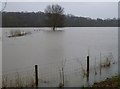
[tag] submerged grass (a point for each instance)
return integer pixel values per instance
(109, 83)
(18, 81)
(28, 81)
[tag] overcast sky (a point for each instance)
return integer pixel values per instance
(85, 9)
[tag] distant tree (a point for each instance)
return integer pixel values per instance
(37, 19)
(55, 16)
(5, 4)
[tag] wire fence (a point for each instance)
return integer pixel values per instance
(66, 73)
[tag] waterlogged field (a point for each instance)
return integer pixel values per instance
(67, 49)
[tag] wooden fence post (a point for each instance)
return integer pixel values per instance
(36, 75)
(88, 66)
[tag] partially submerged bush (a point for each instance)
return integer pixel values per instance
(106, 63)
(14, 33)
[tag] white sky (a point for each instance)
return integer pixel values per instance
(88, 8)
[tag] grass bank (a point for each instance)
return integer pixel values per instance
(109, 83)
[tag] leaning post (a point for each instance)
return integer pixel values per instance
(87, 66)
(36, 75)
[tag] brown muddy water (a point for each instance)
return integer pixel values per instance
(51, 51)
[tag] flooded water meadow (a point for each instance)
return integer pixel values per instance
(58, 54)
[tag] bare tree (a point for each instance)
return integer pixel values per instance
(55, 16)
(3, 8)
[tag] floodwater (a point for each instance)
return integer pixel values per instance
(67, 47)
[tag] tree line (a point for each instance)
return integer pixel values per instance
(37, 19)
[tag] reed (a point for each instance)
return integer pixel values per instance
(106, 63)
(83, 69)
(17, 81)
(61, 73)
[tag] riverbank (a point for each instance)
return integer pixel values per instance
(109, 82)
